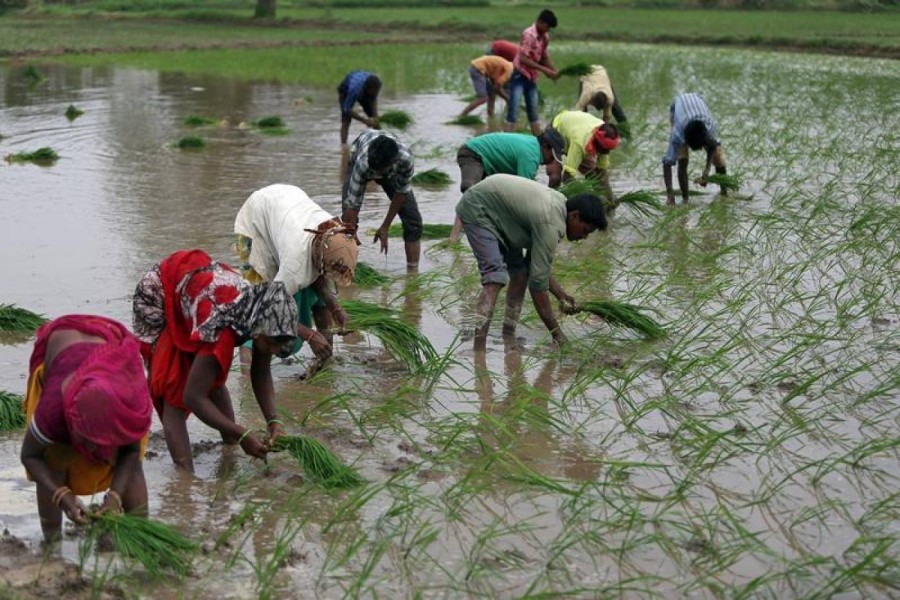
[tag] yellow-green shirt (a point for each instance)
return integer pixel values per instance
(577, 128)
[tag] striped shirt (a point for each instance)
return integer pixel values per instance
(399, 173)
(352, 88)
(687, 108)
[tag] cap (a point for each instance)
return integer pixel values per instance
(554, 139)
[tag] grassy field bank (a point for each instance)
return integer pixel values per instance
(53, 30)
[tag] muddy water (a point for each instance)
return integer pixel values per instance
(78, 235)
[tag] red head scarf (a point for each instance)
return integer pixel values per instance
(606, 137)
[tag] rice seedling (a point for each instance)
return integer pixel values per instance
(17, 319)
(45, 155)
(726, 182)
(366, 275)
(431, 177)
(12, 411)
(395, 118)
(643, 201)
(403, 341)
(578, 69)
(33, 75)
(198, 121)
(318, 462)
(269, 122)
(190, 142)
(73, 112)
(157, 546)
(430, 231)
(625, 315)
(574, 187)
(467, 120)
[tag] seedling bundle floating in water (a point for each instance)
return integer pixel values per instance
(579, 69)
(12, 411)
(431, 177)
(469, 120)
(365, 275)
(396, 118)
(45, 155)
(430, 231)
(18, 319)
(157, 546)
(625, 315)
(190, 142)
(403, 341)
(271, 125)
(318, 462)
(728, 183)
(197, 121)
(73, 112)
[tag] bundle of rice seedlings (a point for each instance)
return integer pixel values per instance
(574, 187)
(73, 112)
(467, 120)
(33, 75)
(430, 231)
(395, 118)
(403, 341)
(318, 462)
(579, 69)
(625, 315)
(12, 411)
(365, 275)
(156, 545)
(643, 201)
(197, 121)
(432, 177)
(190, 142)
(16, 318)
(41, 155)
(727, 182)
(269, 122)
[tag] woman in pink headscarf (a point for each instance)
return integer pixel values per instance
(88, 410)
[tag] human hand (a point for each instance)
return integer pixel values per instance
(73, 508)
(559, 339)
(319, 345)
(112, 503)
(567, 305)
(553, 74)
(670, 198)
(382, 236)
(252, 446)
(276, 430)
(340, 318)
(701, 181)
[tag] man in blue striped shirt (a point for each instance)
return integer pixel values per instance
(380, 156)
(362, 87)
(694, 127)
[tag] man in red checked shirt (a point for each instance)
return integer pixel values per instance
(531, 60)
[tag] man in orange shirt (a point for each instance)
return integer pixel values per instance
(489, 76)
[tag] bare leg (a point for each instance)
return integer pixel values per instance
(134, 500)
(413, 251)
(177, 438)
(472, 106)
(515, 295)
(485, 308)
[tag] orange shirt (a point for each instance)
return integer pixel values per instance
(495, 68)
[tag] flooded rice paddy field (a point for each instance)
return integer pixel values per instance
(751, 453)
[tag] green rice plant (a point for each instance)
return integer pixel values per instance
(404, 342)
(190, 142)
(624, 128)
(726, 182)
(468, 120)
(157, 546)
(642, 201)
(625, 315)
(318, 462)
(18, 319)
(432, 177)
(44, 155)
(574, 187)
(33, 75)
(430, 231)
(12, 411)
(365, 275)
(579, 69)
(73, 112)
(269, 122)
(197, 121)
(396, 118)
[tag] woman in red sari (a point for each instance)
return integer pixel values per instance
(191, 312)
(88, 414)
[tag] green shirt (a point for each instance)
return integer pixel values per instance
(512, 153)
(523, 214)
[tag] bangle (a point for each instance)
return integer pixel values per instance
(243, 436)
(60, 492)
(270, 421)
(115, 495)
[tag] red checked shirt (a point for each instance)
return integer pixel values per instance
(533, 46)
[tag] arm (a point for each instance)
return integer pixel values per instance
(617, 111)
(126, 462)
(667, 179)
(332, 304)
(355, 192)
(545, 312)
(32, 456)
(382, 234)
(566, 302)
(549, 71)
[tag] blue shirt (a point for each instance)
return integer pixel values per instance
(352, 88)
(687, 108)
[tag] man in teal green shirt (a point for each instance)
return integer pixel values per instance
(510, 153)
(504, 216)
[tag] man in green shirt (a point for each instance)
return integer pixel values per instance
(510, 153)
(504, 216)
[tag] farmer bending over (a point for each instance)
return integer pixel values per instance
(504, 216)
(588, 143)
(379, 156)
(191, 312)
(362, 87)
(88, 413)
(489, 75)
(596, 90)
(693, 127)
